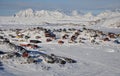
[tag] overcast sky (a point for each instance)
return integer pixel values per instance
(9, 7)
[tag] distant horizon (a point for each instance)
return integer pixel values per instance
(93, 11)
(10, 7)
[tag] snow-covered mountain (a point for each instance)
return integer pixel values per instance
(109, 14)
(25, 13)
(30, 17)
(52, 14)
(112, 22)
(111, 18)
(43, 13)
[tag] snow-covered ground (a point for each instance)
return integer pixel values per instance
(92, 59)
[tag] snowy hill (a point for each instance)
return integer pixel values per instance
(112, 22)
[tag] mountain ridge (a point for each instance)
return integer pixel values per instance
(31, 17)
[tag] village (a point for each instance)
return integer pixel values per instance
(23, 42)
(60, 36)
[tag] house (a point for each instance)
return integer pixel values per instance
(117, 41)
(19, 36)
(12, 36)
(25, 54)
(65, 36)
(112, 35)
(73, 38)
(33, 46)
(106, 39)
(27, 37)
(48, 40)
(77, 33)
(30, 45)
(50, 34)
(24, 45)
(35, 41)
(1, 37)
(60, 42)
(37, 37)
